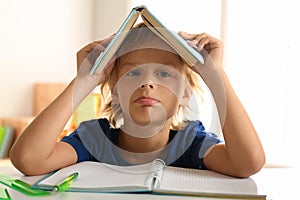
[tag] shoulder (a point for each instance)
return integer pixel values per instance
(92, 127)
(200, 135)
(94, 124)
(197, 130)
(190, 145)
(85, 139)
(102, 121)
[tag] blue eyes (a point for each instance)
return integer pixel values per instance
(133, 73)
(162, 74)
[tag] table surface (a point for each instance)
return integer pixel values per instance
(279, 183)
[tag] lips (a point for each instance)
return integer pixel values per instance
(146, 101)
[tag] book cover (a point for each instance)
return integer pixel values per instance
(188, 53)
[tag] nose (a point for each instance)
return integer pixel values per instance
(148, 85)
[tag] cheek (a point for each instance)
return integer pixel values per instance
(170, 101)
(123, 91)
(176, 92)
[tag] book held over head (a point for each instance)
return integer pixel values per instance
(188, 53)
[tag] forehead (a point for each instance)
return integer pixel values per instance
(144, 56)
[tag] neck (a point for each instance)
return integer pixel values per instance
(154, 143)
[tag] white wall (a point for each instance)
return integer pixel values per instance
(192, 16)
(39, 41)
(262, 60)
(109, 15)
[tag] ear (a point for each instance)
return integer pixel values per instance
(186, 96)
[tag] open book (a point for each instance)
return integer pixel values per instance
(155, 178)
(188, 53)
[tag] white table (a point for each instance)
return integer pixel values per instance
(277, 183)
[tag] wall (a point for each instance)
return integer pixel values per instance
(262, 61)
(39, 41)
(109, 15)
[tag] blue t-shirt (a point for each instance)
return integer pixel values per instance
(96, 140)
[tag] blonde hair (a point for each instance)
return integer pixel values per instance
(141, 36)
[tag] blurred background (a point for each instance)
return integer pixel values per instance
(39, 41)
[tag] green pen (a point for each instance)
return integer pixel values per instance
(65, 183)
(4, 195)
(21, 186)
(25, 188)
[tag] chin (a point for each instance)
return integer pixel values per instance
(147, 121)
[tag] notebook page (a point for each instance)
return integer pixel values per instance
(205, 181)
(98, 175)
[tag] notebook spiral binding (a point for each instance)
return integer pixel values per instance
(156, 173)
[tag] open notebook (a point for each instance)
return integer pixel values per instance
(154, 178)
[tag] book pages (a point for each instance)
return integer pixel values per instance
(207, 182)
(153, 177)
(100, 175)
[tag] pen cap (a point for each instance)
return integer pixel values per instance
(65, 184)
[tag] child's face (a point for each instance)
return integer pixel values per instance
(150, 87)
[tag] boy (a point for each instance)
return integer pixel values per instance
(148, 85)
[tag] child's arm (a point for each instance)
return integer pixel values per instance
(242, 154)
(37, 151)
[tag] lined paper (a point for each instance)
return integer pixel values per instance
(205, 181)
(96, 175)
